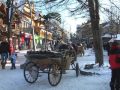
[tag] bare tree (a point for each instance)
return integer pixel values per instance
(9, 16)
(11, 8)
(114, 18)
(97, 41)
(91, 6)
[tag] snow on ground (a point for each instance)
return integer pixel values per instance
(14, 79)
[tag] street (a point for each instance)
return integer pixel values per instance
(14, 79)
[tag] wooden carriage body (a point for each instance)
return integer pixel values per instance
(46, 58)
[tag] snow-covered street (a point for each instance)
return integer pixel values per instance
(14, 79)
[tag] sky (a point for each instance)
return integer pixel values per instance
(70, 23)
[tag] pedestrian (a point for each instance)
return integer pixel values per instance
(108, 48)
(12, 55)
(114, 57)
(4, 49)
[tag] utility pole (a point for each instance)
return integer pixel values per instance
(32, 27)
(47, 27)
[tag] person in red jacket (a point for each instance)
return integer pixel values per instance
(115, 66)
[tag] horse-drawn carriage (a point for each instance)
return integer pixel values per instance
(51, 62)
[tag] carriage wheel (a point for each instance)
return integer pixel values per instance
(54, 74)
(77, 70)
(31, 72)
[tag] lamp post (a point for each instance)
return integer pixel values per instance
(46, 27)
(32, 27)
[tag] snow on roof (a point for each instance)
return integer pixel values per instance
(112, 40)
(107, 35)
(106, 25)
(118, 37)
(115, 38)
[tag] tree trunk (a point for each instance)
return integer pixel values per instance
(97, 41)
(9, 18)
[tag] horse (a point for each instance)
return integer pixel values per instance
(81, 50)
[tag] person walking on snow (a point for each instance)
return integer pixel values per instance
(108, 48)
(13, 60)
(13, 55)
(4, 50)
(114, 60)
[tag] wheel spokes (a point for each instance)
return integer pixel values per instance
(54, 75)
(31, 72)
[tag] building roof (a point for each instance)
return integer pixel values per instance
(107, 36)
(117, 38)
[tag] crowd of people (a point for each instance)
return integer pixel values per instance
(7, 50)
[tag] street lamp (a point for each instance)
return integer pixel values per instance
(34, 46)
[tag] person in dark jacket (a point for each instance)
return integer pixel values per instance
(4, 49)
(107, 46)
(115, 66)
